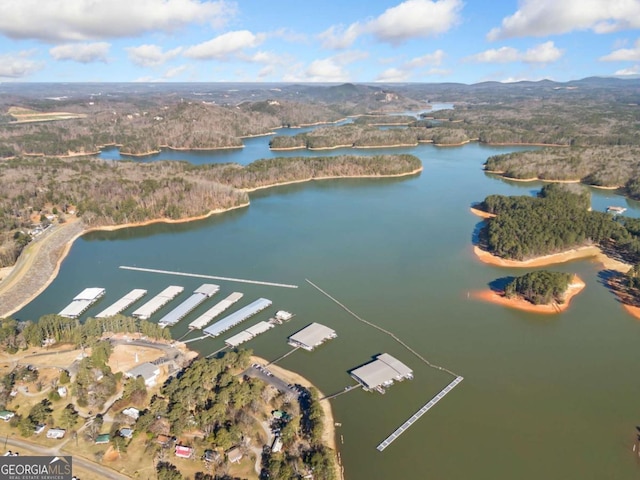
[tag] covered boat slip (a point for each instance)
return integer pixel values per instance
(381, 372)
(248, 334)
(204, 319)
(311, 336)
(235, 318)
(122, 304)
(157, 302)
(199, 295)
(82, 302)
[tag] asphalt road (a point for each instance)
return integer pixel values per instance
(98, 470)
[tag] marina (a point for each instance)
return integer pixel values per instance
(248, 334)
(235, 318)
(157, 302)
(312, 336)
(402, 428)
(122, 304)
(204, 319)
(82, 302)
(200, 294)
(381, 373)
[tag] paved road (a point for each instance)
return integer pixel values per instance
(269, 378)
(99, 471)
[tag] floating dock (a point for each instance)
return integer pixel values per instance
(400, 430)
(311, 336)
(122, 304)
(157, 302)
(235, 318)
(200, 294)
(381, 373)
(82, 302)
(248, 334)
(204, 319)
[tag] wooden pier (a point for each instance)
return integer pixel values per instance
(401, 429)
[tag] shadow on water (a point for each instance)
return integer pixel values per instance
(499, 284)
(478, 235)
(159, 228)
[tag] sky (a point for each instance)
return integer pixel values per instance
(317, 41)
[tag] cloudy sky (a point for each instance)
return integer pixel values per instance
(465, 41)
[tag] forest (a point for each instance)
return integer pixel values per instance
(540, 288)
(111, 193)
(557, 219)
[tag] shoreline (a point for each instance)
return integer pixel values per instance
(67, 248)
(519, 303)
(334, 177)
(328, 421)
(546, 180)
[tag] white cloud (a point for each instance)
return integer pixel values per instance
(543, 53)
(415, 19)
(624, 54)
(81, 52)
(330, 69)
(151, 55)
(18, 65)
(338, 37)
(267, 71)
(224, 45)
(635, 70)
(551, 17)
(174, 72)
(64, 20)
(434, 58)
(393, 75)
(407, 20)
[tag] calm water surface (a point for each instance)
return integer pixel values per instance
(543, 397)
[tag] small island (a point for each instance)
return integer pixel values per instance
(536, 292)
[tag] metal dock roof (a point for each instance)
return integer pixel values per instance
(259, 328)
(199, 295)
(380, 372)
(157, 302)
(216, 310)
(122, 304)
(311, 336)
(82, 302)
(238, 339)
(235, 318)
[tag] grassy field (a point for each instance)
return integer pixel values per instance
(25, 115)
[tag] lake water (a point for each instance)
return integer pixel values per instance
(553, 397)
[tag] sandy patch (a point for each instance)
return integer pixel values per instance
(126, 357)
(482, 213)
(491, 296)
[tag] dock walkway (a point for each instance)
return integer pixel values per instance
(401, 429)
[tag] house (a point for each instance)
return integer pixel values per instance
(183, 451)
(126, 432)
(211, 456)
(39, 429)
(276, 446)
(101, 439)
(163, 440)
(131, 412)
(62, 391)
(146, 370)
(56, 433)
(234, 455)
(6, 415)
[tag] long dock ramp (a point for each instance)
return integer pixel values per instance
(414, 418)
(212, 277)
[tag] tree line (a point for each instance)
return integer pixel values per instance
(540, 288)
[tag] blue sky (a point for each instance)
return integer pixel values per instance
(326, 41)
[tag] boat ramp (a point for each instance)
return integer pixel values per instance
(204, 319)
(122, 304)
(204, 291)
(82, 302)
(235, 318)
(157, 302)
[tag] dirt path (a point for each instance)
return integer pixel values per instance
(37, 266)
